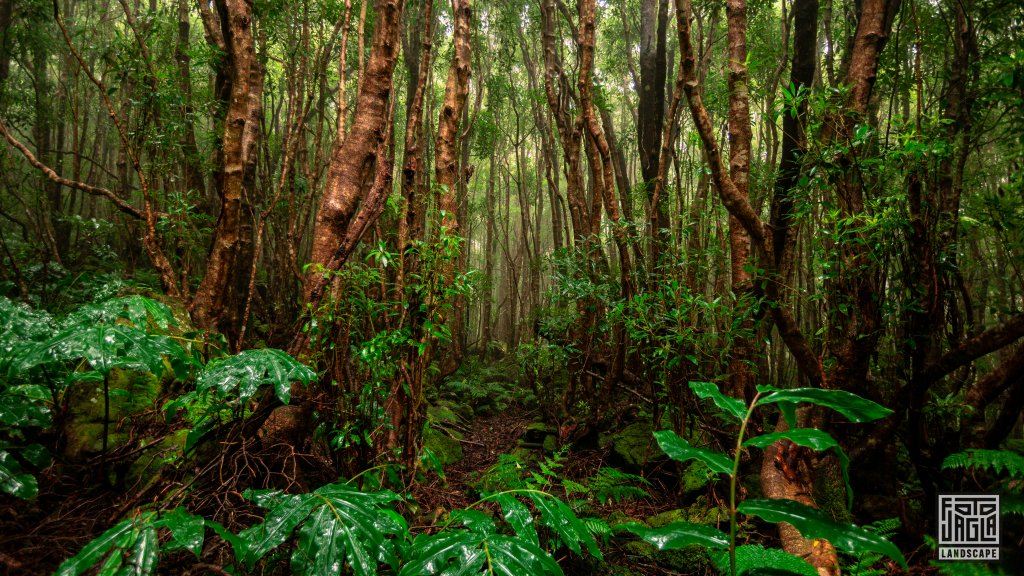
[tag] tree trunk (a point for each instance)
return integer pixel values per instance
(211, 306)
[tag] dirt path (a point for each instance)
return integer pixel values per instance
(485, 438)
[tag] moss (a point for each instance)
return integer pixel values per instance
(618, 518)
(447, 449)
(696, 478)
(634, 445)
(84, 439)
(441, 414)
(550, 443)
(666, 518)
(130, 393)
(154, 459)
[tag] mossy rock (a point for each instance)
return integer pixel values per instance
(448, 450)
(84, 439)
(537, 431)
(634, 446)
(696, 478)
(618, 518)
(666, 518)
(130, 393)
(155, 458)
(441, 414)
(550, 443)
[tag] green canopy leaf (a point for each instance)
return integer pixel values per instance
(15, 481)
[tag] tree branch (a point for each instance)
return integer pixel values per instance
(119, 202)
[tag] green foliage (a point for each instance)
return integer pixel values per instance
(998, 461)
(132, 546)
(614, 485)
(245, 373)
(339, 524)
(754, 560)
(865, 564)
(811, 522)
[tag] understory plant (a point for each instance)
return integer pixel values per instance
(809, 521)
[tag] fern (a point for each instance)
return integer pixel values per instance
(998, 461)
(866, 564)
(612, 484)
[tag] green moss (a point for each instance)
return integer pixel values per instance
(154, 459)
(617, 518)
(441, 414)
(696, 477)
(634, 445)
(550, 443)
(447, 449)
(666, 518)
(84, 439)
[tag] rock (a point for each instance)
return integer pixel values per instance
(448, 450)
(130, 393)
(634, 446)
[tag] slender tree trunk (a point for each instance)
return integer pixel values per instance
(211, 307)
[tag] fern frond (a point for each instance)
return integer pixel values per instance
(999, 461)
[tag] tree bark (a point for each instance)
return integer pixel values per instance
(211, 306)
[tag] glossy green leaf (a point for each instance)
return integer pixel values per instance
(105, 347)
(556, 515)
(475, 520)
(679, 534)
(140, 311)
(14, 480)
(141, 558)
(729, 405)
(243, 374)
(755, 560)
(122, 535)
(853, 407)
(452, 553)
(188, 531)
(680, 450)
(287, 511)
(22, 412)
(517, 557)
(813, 523)
(518, 517)
(814, 439)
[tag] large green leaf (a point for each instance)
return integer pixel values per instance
(518, 517)
(339, 524)
(287, 511)
(450, 553)
(134, 537)
(853, 407)
(187, 530)
(680, 534)
(810, 438)
(139, 311)
(755, 560)
(681, 450)
(14, 480)
(105, 347)
(21, 411)
(465, 553)
(730, 405)
(243, 374)
(559, 517)
(813, 523)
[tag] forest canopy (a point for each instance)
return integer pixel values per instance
(533, 287)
